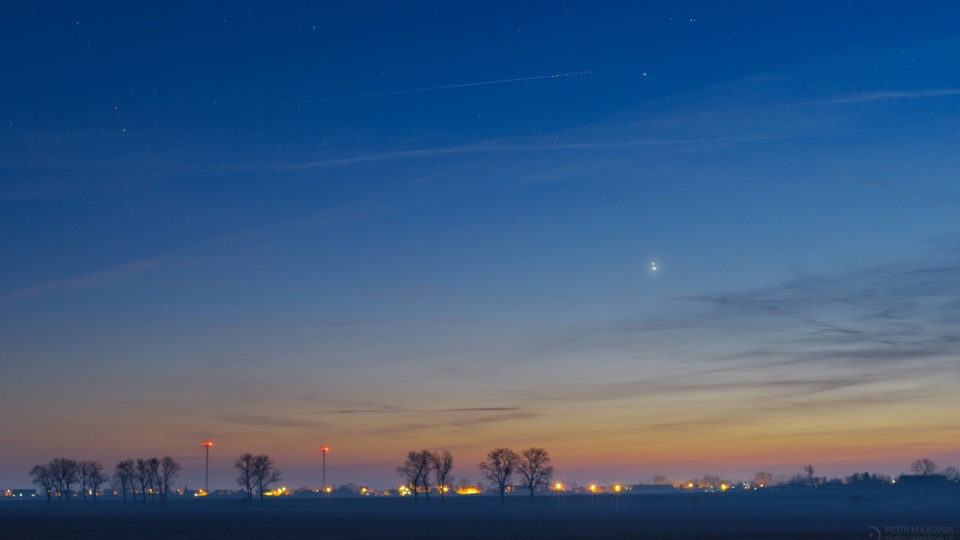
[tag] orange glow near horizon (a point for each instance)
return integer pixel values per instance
(678, 443)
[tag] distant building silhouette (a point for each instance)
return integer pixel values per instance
(928, 481)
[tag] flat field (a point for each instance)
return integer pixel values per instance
(889, 515)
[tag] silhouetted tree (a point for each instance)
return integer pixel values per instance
(64, 472)
(264, 473)
(866, 479)
(811, 479)
(534, 466)
(498, 468)
(952, 474)
(168, 471)
(246, 477)
(123, 474)
(415, 469)
(142, 476)
(43, 477)
(425, 477)
(763, 478)
(90, 476)
(442, 464)
(153, 469)
(923, 467)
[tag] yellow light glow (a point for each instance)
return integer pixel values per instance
(558, 486)
(617, 488)
(279, 492)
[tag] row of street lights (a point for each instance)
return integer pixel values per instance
(206, 472)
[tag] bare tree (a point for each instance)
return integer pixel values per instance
(43, 477)
(415, 469)
(97, 478)
(264, 473)
(498, 468)
(425, 457)
(90, 477)
(123, 474)
(811, 479)
(923, 467)
(168, 471)
(763, 478)
(82, 479)
(141, 476)
(64, 472)
(535, 468)
(246, 477)
(952, 474)
(153, 468)
(442, 464)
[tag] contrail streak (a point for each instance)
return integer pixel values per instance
(415, 90)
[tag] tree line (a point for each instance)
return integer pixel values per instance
(533, 465)
(152, 476)
(256, 472)
(418, 466)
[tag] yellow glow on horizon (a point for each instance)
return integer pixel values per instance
(279, 492)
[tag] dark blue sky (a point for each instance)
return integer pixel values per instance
(306, 223)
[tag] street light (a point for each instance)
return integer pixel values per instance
(324, 450)
(206, 473)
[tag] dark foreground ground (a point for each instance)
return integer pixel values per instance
(887, 515)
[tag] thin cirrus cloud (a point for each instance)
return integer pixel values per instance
(884, 96)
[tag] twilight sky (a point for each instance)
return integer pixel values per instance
(284, 225)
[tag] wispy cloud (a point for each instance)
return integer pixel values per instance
(211, 251)
(262, 420)
(886, 96)
(392, 409)
(92, 279)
